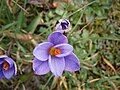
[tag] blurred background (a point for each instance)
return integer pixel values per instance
(95, 36)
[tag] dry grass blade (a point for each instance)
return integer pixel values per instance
(63, 81)
(109, 64)
(115, 88)
(22, 37)
(91, 81)
(20, 7)
(54, 83)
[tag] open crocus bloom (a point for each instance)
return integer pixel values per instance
(63, 25)
(7, 67)
(55, 55)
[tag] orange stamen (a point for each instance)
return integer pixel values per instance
(57, 51)
(6, 65)
(54, 51)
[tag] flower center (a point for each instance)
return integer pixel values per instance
(6, 65)
(54, 51)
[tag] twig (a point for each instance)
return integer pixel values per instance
(83, 27)
(82, 8)
(20, 6)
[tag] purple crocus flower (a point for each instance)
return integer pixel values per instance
(63, 25)
(55, 55)
(7, 67)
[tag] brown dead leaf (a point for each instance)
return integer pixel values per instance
(9, 4)
(55, 4)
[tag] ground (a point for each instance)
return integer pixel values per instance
(94, 34)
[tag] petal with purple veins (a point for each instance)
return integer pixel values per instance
(59, 27)
(66, 49)
(41, 51)
(64, 25)
(57, 38)
(40, 67)
(72, 63)
(10, 61)
(9, 73)
(56, 65)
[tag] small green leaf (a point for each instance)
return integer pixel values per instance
(31, 28)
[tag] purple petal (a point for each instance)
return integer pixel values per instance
(3, 56)
(10, 61)
(57, 38)
(40, 67)
(41, 51)
(9, 73)
(1, 73)
(59, 27)
(66, 49)
(1, 60)
(72, 63)
(15, 66)
(56, 65)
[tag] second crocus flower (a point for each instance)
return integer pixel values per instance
(7, 67)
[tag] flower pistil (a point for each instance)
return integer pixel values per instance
(54, 51)
(6, 65)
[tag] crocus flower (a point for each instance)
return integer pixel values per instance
(7, 67)
(63, 25)
(55, 55)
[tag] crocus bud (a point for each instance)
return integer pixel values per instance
(63, 25)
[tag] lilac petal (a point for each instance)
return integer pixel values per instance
(40, 67)
(59, 27)
(66, 49)
(56, 65)
(72, 63)
(41, 51)
(10, 61)
(1, 73)
(3, 56)
(15, 66)
(57, 38)
(9, 73)
(1, 60)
